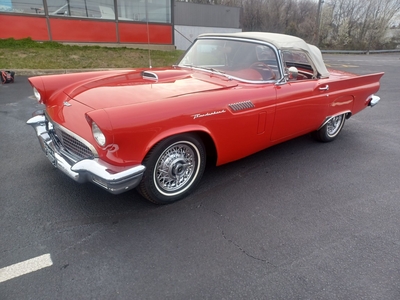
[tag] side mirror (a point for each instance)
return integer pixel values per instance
(293, 72)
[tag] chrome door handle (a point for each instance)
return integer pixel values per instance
(324, 88)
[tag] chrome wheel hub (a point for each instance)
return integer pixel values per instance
(333, 126)
(175, 167)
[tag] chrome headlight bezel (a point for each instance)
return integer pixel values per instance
(98, 135)
(37, 94)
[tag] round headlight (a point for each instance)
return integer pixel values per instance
(37, 94)
(98, 135)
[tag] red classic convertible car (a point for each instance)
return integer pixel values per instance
(231, 95)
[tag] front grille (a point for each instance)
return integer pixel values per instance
(69, 146)
(73, 146)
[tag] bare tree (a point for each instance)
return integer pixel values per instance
(355, 24)
(253, 15)
(346, 24)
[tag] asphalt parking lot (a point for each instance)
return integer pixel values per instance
(301, 220)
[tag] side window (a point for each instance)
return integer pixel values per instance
(144, 10)
(22, 6)
(298, 65)
(102, 9)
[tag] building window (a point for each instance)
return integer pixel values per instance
(100, 9)
(158, 11)
(155, 11)
(22, 6)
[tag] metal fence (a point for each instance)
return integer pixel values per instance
(360, 51)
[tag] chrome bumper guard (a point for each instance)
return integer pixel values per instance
(114, 179)
(374, 100)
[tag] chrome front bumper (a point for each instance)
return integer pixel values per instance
(114, 179)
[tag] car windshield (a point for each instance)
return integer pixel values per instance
(243, 60)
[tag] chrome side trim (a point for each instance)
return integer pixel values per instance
(373, 100)
(112, 178)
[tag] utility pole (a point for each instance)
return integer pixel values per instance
(318, 21)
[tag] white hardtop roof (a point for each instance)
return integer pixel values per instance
(282, 42)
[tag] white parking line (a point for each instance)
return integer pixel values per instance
(25, 267)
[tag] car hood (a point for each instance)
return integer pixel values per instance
(140, 86)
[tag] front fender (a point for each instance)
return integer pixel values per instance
(180, 130)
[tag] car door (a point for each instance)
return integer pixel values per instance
(301, 107)
(302, 101)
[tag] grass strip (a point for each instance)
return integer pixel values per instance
(29, 54)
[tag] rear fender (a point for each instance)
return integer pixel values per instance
(342, 104)
(353, 93)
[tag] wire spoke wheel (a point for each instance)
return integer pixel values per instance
(334, 125)
(173, 168)
(331, 129)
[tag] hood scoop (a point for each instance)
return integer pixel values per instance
(149, 75)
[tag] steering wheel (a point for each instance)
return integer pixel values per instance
(260, 66)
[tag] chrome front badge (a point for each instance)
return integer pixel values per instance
(66, 103)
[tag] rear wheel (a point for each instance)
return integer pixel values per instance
(330, 130)
(174, 167)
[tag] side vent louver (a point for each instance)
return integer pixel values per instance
(241, 105)
(149, 75)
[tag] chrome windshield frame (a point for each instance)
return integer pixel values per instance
(231, 77)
